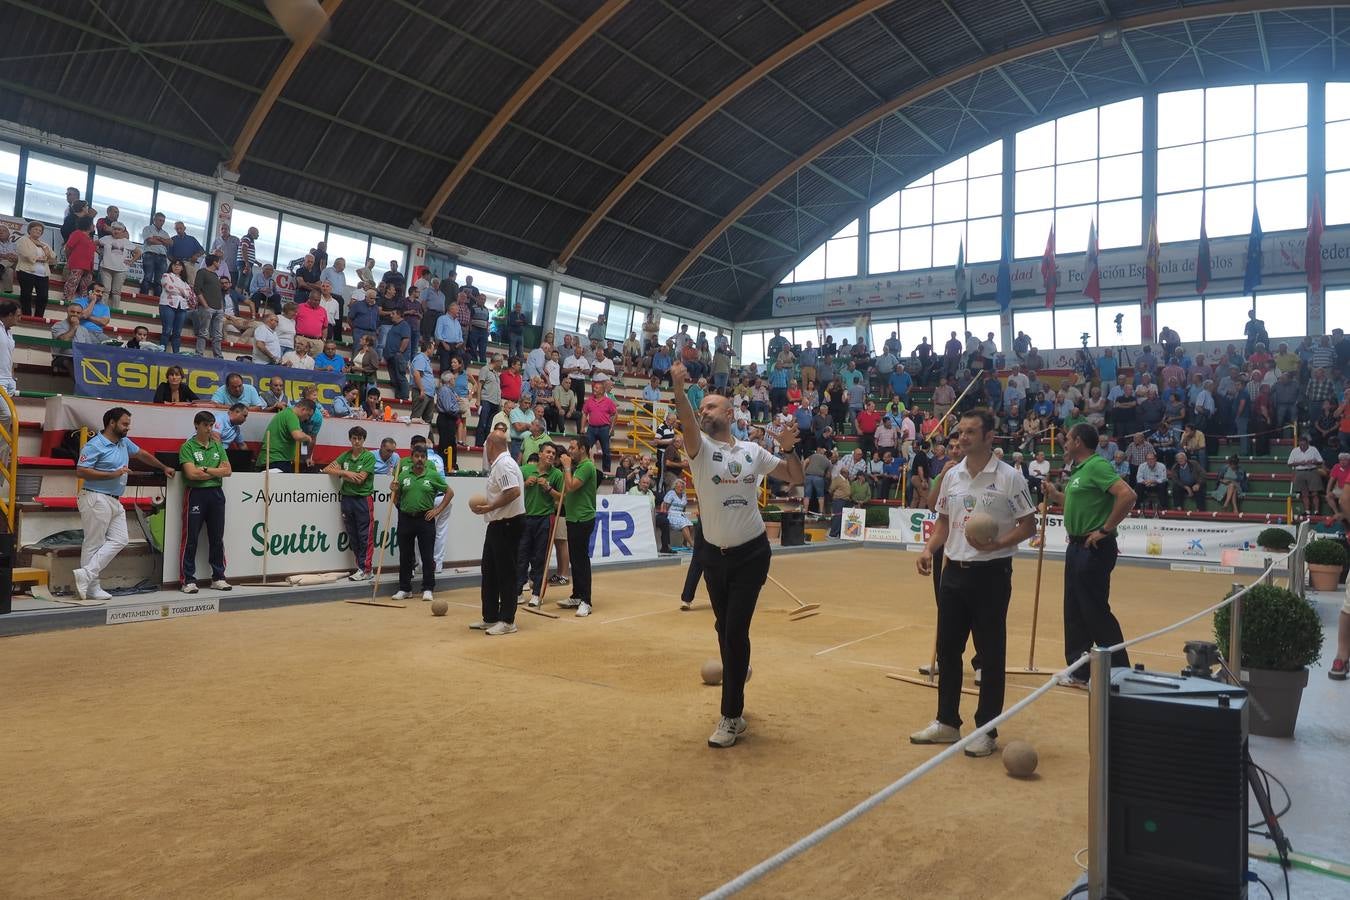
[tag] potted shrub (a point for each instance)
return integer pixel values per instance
(1325, 558)
(773, 521)
(1281, 637)
(1276, 540)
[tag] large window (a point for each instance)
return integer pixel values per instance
(1223, 318)
(1078, 169)
(577, 311)
(44, 195)
(1231, 147)
(1063, 327)
(133, 196)
(267, 221)
(385, 251)
(529, 293)
(836, 258)
(1337, 150)
(9, 177)
(192, 208)
(491, 283)
(1337, 310)
(924, 225)
(297, 237)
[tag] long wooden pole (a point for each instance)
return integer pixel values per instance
(267, 500)
(388, 518)
(552, 532)
(1036, 601)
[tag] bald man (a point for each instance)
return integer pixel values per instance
(504, 511)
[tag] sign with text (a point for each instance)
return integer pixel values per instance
(304, 531)
(116, 373)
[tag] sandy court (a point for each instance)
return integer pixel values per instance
(348, 751)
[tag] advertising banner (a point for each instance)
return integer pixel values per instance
(854, 524)
(1172, 539)
(306, 533)
(116, 373)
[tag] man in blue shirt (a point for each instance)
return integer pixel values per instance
(94, 313)
(229, 431)
(396, 343)
(364, 314)
(187, 248)
(236, 390)
(104, 464)
(329, 360)
(450, 340)
(901, 383)
(386, 460)
(778, 385)
(1106, 366)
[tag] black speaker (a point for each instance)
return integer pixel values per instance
(1177, 802)
(7, 546)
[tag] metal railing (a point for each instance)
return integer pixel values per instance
(9, 447)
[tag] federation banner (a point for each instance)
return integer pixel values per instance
(306, 533)
(116, 373)
(1187, 540)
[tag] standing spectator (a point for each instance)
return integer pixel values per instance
(487, 392)
(9, 259)
(479, 320)
(185, 247)
(80, 250)
(364, 315)
(226, 247)
(35, 261)
(433, 302)
(333, 309)
(116, 253)
(205, 465)
(395, 349)
(311, 319)
(336, 277)
(307, 277)
(453, 389)
(155, 243)
(449, 339)
(395, 279)
(209, 314)
(176, 297)
(248, 257)
(597, 420)
(107, 223)
(103, 466)
(516, 320)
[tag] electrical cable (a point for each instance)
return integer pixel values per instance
(1261, 881)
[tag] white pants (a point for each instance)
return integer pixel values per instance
(442, 533)
(105, 531)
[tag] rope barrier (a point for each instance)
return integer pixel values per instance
(778, 860)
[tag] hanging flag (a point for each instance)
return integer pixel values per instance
(1150, 281)
(1203, 265)
(1092, 272)
(961, 279)
(1004, 294)
(1049, 271)
(1251, 275)
(1312, 251)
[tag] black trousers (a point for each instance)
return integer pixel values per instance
(663, 532)
(416, 537)
(357, 513)
(937, 599)
(734, 577)
(579, 555)
(203, 506)
(501, 547)
(973, 602)
(486, 410)
(447, 429)
(33, 293)
(695, 571)
(533, 556)
(1088, 620)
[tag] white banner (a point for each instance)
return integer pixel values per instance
(1177, 539)
(307, 534)
(854, 524)
(153, 612)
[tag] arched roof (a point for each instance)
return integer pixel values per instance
(696, 147)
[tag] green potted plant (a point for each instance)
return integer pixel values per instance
(1281, 637)
(1326, 559)
(1276, 540)
(773, 521)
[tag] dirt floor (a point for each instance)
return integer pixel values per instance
(338, 750)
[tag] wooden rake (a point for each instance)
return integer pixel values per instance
(803, 610)
(1030, 668)
(548, 551)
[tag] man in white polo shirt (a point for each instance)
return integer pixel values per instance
(976, 579)
(731, 544)
(504, 511)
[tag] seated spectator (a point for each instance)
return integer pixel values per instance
(94, 312)
(299, 358)
(1151, 483)
(140, 340)
(329, 360)
(372, 407)
(1121, 465)
(263, 290)
(274, 398)
(66, 333)
(236, 390)
(366, 362)
(1188, 482)
(1233, 485)
(1037, 471)
(285, 327)
(172, 390)
(348, 403)
(266, 345)
(241, 316)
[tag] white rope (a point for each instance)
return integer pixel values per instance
(754, 874)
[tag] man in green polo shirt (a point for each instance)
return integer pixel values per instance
(1095, 500)
(204, 464)
(283, 434)
(581, 479)
(416, 487)
(543, 487)
(535, 438)
(355, 469)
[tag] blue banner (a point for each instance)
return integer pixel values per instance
(116, 373)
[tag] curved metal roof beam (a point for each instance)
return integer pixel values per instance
(289, 63)
(723, 97)
(512, 106)
(992, 61)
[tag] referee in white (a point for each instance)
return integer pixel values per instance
(977, 577)
(731, 543)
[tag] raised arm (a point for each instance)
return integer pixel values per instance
(679, 377)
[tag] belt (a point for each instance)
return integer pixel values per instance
(979, 563)
(1082, 538)
(762, 538)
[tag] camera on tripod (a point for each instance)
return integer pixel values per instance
(1120, 317)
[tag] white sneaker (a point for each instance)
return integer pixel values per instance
(686, 605)
(359, 575)
(221, 585)
(728, 730)
(936, 733)
(982, 745)
(481, 625)
(928, 670)
(82, 582)
(977, 677)
(534, 601)
(426, 596)
(1069, 681)
(400, 595)
(569, 603)
(190, 587)
(97, 593)
(503, 628)
(583, 610)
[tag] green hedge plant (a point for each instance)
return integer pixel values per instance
(1325, 552)
(1280, 630)
(1275, 539)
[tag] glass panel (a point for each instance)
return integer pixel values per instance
(1225, 317)
(812, 268)
(1228, 111)
(980, 326)
(883, 253)
(916, 206)
(947, 243)
(983, 240)
(1283, 204)
(1122, 127)
(1338, 299)
(1229, 210)
(949, 202)
(841, 257)
(885, 215)
(1338, 198)
(1281, 106)
(569, 307)
(1034, 189)
(752, 347)
(529, 293)
(1076, 137)
(1185, 317)
(1181, 168)
(1338, 100)
(1119, 224)
(1228, 161)
(1108, 334)
(1029, 233)
(912, 332)
(350, 246)
(618, 321)
(245, 217)
(668, 328)
(1120, 176)
(1076, 183)
(591, 310)
(988, 160)
(180, 204)
(1070, 324)
(1038, 324)
(916, 249)
(945, 326)
(491, 283)
(1071, 230)
(849, 230)
(44, 197)
(9, 177)
(1181, 118)
(298, 237)
(984, 196)
(1285, 314)
(879, 333)
(131, 194)
(952, 171)
(1036, 146)
(1179, 217)
(384, 251)
(1283, 153)
(1338, 146)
